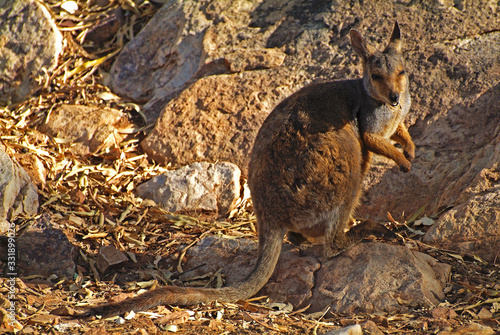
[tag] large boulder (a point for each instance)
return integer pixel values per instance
(217, 117)
(369, 277)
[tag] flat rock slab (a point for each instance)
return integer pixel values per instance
(369, 277)
(89, 128)
(30, 41)
(196, 187)
(18, 195)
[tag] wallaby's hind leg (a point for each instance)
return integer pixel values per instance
(346, 240)
(335, 237)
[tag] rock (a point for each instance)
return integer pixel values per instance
(30, 42)
(349, 330)
(367, 278)
(90, 129)
(18, 195)
(471, 227)
(172, 45)
(109, 256)
(379, 277)
(44, 250)
(199, 186)
(106, 27)
(470, 329)
(33, 167)
(217, 118)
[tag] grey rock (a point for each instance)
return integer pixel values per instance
(199, 186)
(29, 42)
(172, 44)
(18, 195)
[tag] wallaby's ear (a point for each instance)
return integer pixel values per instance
(359, 45)
(395, 41)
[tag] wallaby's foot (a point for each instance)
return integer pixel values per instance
(370, 228)
(295, 238)
(355, 235)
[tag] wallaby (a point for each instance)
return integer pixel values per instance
(307, 165)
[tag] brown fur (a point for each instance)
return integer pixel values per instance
(307, 165)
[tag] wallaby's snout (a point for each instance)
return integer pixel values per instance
(394, 98)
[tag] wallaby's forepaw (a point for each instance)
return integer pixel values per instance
(405, 167)
(409, 154)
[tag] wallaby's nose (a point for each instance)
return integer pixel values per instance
(394, 98)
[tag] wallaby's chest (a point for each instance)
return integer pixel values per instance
(383, 120)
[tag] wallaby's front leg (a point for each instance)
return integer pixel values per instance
(381, 146)
(402, 136)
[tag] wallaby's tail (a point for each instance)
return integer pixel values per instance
(269, 251)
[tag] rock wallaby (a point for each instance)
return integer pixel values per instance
(307, 165)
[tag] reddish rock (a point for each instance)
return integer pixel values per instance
(376, 276)
(109, 256)
(89, 128)
(217, 118)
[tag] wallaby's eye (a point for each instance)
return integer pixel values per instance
(376, 76)
(402, 72)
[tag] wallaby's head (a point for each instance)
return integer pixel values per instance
(383, 72)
